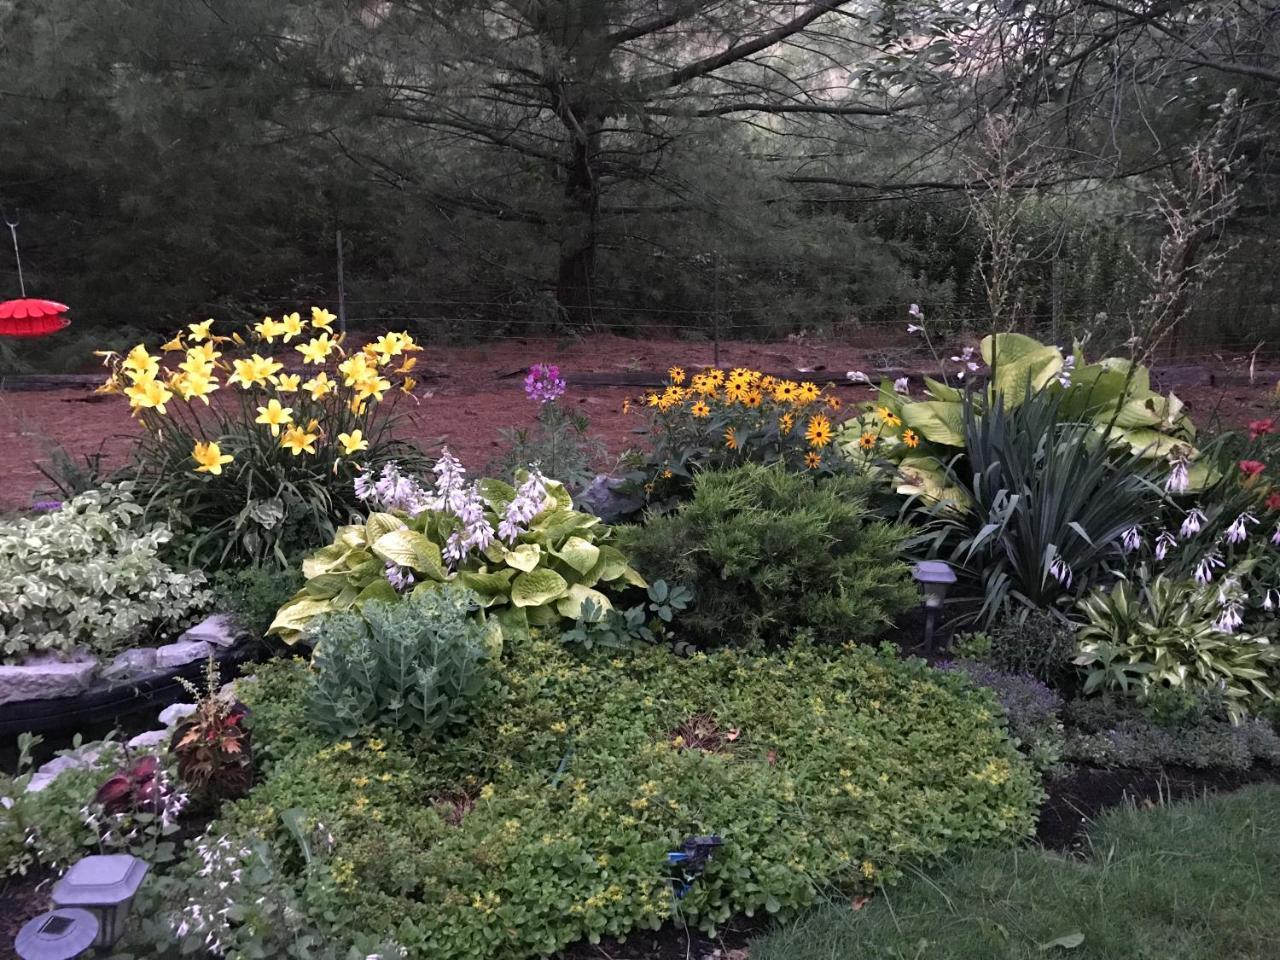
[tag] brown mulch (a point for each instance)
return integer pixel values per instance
(467, 394)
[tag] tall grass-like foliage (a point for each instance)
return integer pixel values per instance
(774, 553)
(250, 446)
(1040, 506)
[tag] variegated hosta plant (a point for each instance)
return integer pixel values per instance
(1114, 396)
(529, 556)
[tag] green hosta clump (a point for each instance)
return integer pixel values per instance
(529, 557)
(413, 665)
(1176, 634)
(1113, 396)
(90, 574)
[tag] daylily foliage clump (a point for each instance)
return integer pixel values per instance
(248, 436)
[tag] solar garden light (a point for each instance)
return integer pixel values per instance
(934, 576)
(57, 935)
(103, 885)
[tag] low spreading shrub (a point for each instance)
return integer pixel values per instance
(412, 665)
(90, 574)
(1041, 644)
(548, 817)
(772, 553)
(253, 594)
(1121, 733)
(1030, 708)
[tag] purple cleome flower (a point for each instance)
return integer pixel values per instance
(544, 383)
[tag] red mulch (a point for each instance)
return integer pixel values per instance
(468, 393)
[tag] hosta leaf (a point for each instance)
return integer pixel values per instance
(571, 605)
(1017, 360)
(325, 560)
(936, 421)
(524, 557)
(326, 585)
(579, 554)
(379, 589)
(486, 584)
(380, 524)
(292, 619)
(410, 549)
(497, 493)
(537, 587)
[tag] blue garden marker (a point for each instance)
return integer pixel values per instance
(692, 858)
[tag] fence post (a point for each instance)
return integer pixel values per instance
(342, 290)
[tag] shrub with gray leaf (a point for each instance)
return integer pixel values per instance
(411, 665)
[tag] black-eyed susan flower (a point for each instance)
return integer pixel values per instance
(818, 432)
(812, 460)
(910, 438)
(786, 391)
(785, 423)
(808, 392)
(730, 438)
(676, 375)
(700, 409)
(868, 440)
(833, 403)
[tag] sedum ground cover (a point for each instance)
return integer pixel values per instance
(547, 818)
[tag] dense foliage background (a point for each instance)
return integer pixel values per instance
(621, 164)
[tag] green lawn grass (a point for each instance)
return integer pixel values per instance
(1182, 882)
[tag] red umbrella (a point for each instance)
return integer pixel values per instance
(32, 318)
(26, 317)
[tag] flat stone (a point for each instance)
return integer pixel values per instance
(152, 738)
(131, 663)
(221, 630)
(176, 712)
(46, 677)
(177, 654)
(86, 756)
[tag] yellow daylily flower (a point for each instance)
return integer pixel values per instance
(200, 359)
(409, 364)
(316, 350)
(407, 387)
(373, 386)
(237, 339)
(354, 368)
(268, 329)
(200, 331)
(290, 326)
(274, 416)
(319, 386)
(288, 382)
(322, 319)
(174, 344)
(110, 385)
(298, 441)
(386, 346)
(193, 386)
(140, 365)
(148, 393)
(255, 370)
(353, 442)
(210, 458)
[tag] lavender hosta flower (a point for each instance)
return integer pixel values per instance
(392, 490)
(1164, 543)
(914, 328)
(1208, 563)
(1179, 477)
(1061, 571)
(400, 578)
(1192, 523)
(544, 383)
(531, 499)
(476, 532)
(1238, 532)
(1068, 368)
(46, 506)
(1132, 539)
(857, 376)
(916, 312)
(1231, 618)
(902, 386)
(1275, 537)
(1271, 600)
(451, 483)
